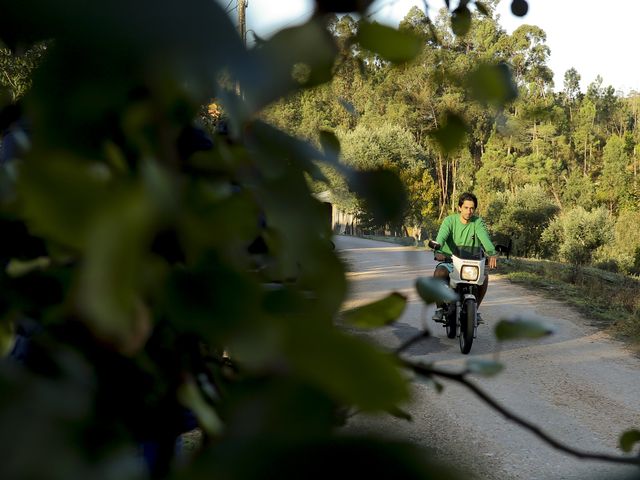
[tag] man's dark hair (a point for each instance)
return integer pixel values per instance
(468, 196)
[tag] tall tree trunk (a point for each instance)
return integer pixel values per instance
(454, 176)
(442, 184)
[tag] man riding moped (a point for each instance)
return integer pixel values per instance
(462, 229)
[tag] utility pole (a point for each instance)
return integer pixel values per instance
(242, 22)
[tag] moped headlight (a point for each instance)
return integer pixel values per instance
(469, 272)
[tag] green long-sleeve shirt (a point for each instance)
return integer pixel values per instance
(454, 233)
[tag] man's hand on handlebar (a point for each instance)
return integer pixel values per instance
(493, 262)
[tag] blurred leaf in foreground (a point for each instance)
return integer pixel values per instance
(450, 135)
(296, 57)
(493, 84)
(355, 372)
(628, 440)
(461, 20)
(61, 197)
(377, 314)
(342, 6)
(518, 327)
(382, 191)
(356, 456)
(433, 290)
(396, 46)
(485, 368)
(110, 278)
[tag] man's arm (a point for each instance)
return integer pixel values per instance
(487, 244)
(441, 238)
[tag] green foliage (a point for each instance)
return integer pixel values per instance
(522, 216)
(615, 179)
(577, 233)
(624, 249)
(579, 191)
(391, 147)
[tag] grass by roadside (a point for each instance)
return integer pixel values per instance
(611, 299)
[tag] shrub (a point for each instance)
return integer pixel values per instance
(577, 234)
(522, 216)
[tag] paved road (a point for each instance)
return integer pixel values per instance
(579, 385)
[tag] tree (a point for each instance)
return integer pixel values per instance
(579, 191)
(388, 146)
(571, 85)
(614, 181)
(584, 134)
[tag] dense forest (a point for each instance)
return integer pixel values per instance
(555, 170)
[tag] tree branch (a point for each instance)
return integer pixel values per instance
(460, 378)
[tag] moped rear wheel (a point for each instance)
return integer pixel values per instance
(451, 322)
(467, 325)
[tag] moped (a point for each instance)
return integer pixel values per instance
(461, 316)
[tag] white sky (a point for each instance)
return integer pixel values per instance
(593, 36)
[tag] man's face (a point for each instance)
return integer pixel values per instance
(466, 210)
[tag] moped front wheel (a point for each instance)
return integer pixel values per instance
(467, 325)
(451, 322)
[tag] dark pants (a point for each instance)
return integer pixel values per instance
(442, 273)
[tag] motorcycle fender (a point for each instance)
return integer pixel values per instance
(468, 296)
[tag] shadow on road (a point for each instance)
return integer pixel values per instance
(404, 332)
